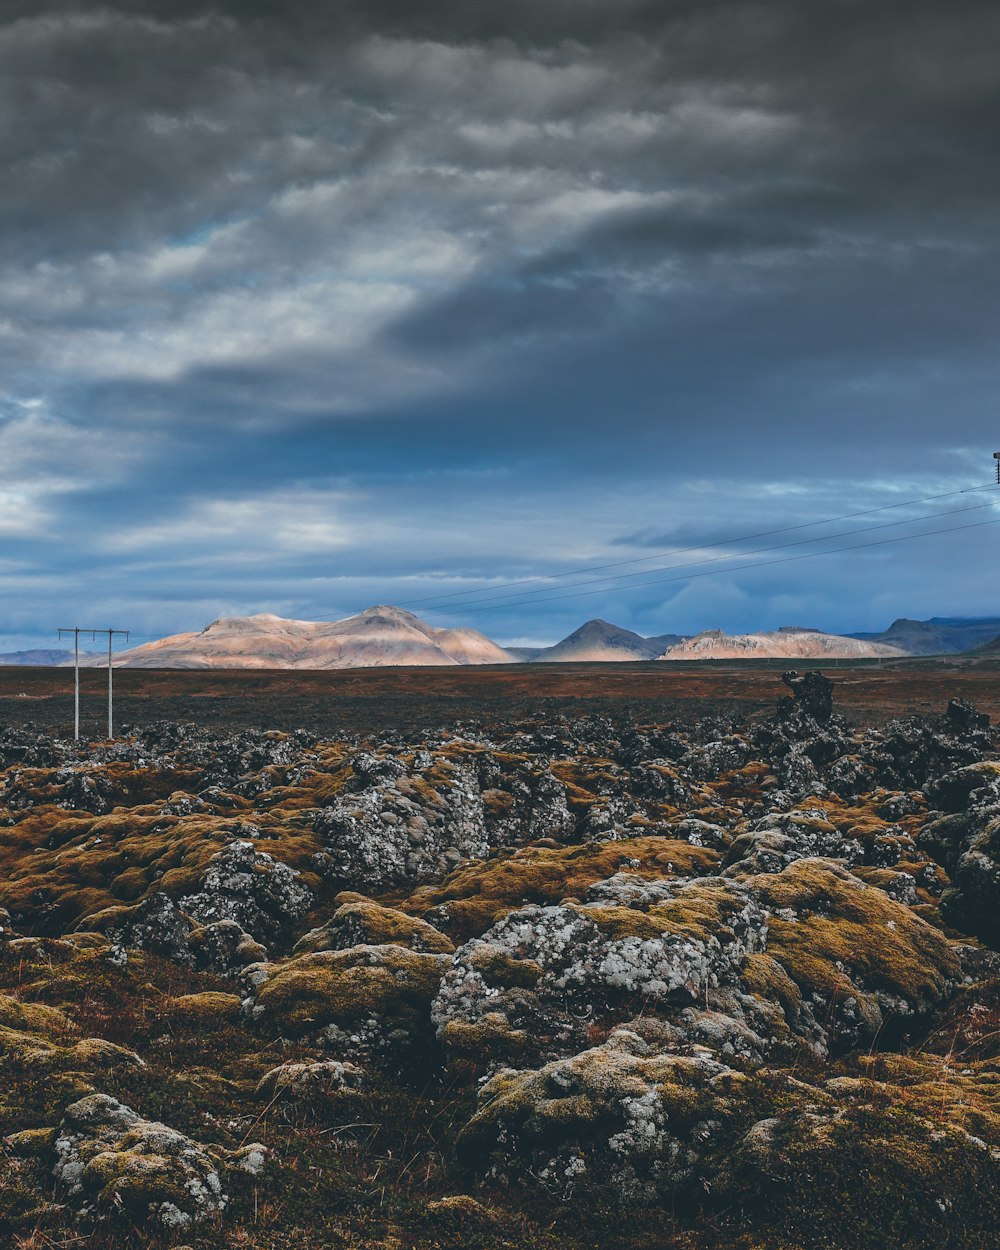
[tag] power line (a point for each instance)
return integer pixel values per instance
(76, 631)
(760, 564)
(785, 529)
(519, 599)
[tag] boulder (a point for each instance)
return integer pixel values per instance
(111, 1163)
(368, 1001)
(614, 1123)
(259, 893)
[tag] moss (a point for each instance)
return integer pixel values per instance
(466, 1042)
(30, 1017)
(346, 988)
(206, 1010)
(840, 940)
(33, 1142)
(476, 895)
(360, 921)
(764, 976)
(865, 1177)
(615, 1112)
(501, 968)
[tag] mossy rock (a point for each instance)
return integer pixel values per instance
(614, 1123)
(359, 921)
(476, 895)
(861, 959)
(28, 1017)
(114, 1164)
(861, 1177)
(368, 999)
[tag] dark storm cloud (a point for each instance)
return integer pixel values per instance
(307, 304)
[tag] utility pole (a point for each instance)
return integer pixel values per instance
(996, 457)
(111, 633)
(76, 631)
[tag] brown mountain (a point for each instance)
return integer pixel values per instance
(380, 636)
(803, 644)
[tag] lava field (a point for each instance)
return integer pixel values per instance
(587, 978)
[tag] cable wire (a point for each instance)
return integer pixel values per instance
(760, 564)
(521, 600)
(786, 529)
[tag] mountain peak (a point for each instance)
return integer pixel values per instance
(382, 635)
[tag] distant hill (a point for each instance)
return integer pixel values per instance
(941, 635)
(40, 657)
(599, 641)
(791, 643)
(381, 636)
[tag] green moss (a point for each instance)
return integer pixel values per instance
(476, 895)
(376, 925)
(345, 988)
(206, 1010)
(842, 939)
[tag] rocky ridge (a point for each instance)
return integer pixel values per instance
(802, 644)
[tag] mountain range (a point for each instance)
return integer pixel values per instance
(941, 635)
(380, 636)
(384, 635)
(39, 656)
(598, 640)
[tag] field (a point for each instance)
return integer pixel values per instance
(376, 699)
(588, 957)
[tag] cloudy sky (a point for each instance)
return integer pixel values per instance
(307, 305)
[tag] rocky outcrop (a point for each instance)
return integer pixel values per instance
(540, 978)
(252, 889)
(368, 1002)
(112, 1164)
(616, 1121)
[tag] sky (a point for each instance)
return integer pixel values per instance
(310, 305)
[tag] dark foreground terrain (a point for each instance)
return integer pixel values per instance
(499, 960)
(376, 699)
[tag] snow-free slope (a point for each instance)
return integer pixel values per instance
(803, 644)
(941, 635)
(599, 641)
(35, 658)
(380, 636)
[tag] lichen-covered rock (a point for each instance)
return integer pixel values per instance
(862, 1172)
(404, 829)
(397, 825)
(305, 1081)
(537, 981)
(110, 1162)
(264, 896)
(971, 903)
(223, 947)
(614, 1122)
(366, 1001)
(156, 925)
(779, 838)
